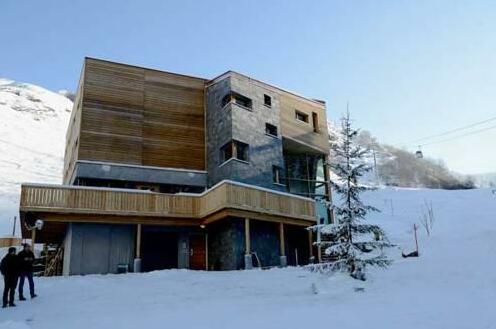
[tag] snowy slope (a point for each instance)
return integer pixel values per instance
(452, 285)
(33, 122)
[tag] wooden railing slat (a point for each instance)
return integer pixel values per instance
(226, 195)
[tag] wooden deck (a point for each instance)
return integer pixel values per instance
(225, 199)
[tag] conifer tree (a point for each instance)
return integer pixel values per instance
(349, 244)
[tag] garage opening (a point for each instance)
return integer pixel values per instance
(159, 249)
(297, 246)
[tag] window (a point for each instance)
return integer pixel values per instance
(267, 100)
(242, 100)
(300, 116)
(276, 175)
(151, 188)
(270, 130)
(234, 149)
(226, 152)
(315, 122)
(226, 100)
(238, 99)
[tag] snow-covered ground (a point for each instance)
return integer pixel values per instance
(452, 285)
(33, 123)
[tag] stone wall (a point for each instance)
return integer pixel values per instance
(219, 130)
(226, 244)
(247, 126)
(265, 242)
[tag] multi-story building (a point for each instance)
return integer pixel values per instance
(165, 170)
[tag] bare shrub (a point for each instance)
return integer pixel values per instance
(427, 218)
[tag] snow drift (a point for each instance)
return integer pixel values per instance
(451, 285)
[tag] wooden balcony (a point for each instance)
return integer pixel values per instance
(224, 199)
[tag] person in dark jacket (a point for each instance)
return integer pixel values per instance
(10, 270)
(26, 260)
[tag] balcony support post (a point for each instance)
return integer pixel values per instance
(248, 256)
(137, 259)
(282, 246)
(310, 247)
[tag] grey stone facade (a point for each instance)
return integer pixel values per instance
(265, 242)
(245, 125)
(226, 244)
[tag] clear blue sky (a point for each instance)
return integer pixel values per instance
(408, 68)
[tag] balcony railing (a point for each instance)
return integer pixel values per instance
(107, 201)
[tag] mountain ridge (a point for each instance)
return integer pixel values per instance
(33, 122)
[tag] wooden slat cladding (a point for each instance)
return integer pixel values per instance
(112, 114)
(139, 116)
(114, 84)
(174, 121)
(303, 131)
(225, 196)
(73, 132)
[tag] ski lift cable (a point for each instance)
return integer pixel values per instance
(449, 131)
(459, 136)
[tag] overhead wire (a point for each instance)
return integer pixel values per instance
(448, 132)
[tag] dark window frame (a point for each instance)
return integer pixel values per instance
(277, 175)
(315, 122)
(238, 99)
(301, 116)
(271, 130)
(234, 149)
(267, 100)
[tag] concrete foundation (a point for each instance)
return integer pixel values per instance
(137, 265)
(248, 262)
(283, 260)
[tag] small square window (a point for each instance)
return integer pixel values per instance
(241, 151)
(234, 149)
(226, 152)
(300, 116)
(267, 100)
(270, 129)
(236, 98)
(226, 100)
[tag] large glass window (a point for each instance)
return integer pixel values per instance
(305, 174)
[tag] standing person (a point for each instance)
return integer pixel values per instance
(26, 260)
(10, 270)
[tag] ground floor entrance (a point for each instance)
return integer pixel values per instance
(159, 250)
(232, 243)
(172, 247)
